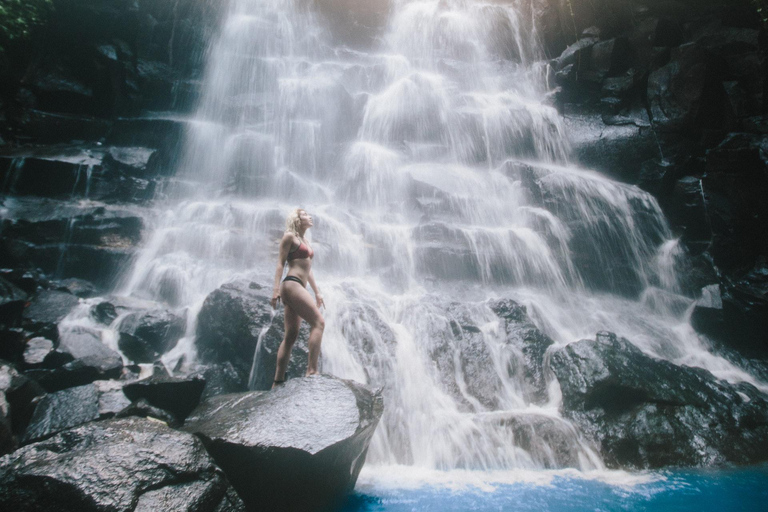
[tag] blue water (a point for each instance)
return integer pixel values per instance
(722, 490)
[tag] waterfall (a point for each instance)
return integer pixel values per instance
(439, 178)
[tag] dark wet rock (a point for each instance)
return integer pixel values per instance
(688, 208)
(577, 54)
(30, 281)
(12, 344)
(618, 148)
(162, 134)
(62, 410)
(12, 301)
(49, 172)
(56, 128)
(681, 93)
(46, 310)
(130, 160)
(735, 187)
(104, 312)
(18, 398)
(745, 313)
(707, 315)
(112, 399)
(221, 379)
(299, 447)
(77, 287)
(147, 335)
(89, 243)
(114, 465)
(36, 352)
(229, 325)
(80, 358)
(650, 413)
(526, 338)
(141, 408)
(610, 58)
(82, 171)
(178, 396)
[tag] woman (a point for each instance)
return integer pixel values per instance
(295, 250)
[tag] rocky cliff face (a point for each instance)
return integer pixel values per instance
(669, 95)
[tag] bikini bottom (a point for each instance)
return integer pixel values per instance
(296, 279)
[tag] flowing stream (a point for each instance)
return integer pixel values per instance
(439, 177)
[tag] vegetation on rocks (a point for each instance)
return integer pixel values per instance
(18, 17)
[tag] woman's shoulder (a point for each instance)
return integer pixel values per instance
(288, 236)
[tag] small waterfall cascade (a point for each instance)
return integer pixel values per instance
(439, 179)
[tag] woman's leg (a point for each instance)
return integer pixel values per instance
(292, 322)
(302, 303)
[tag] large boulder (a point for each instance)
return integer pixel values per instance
(179, 396)
(229, 326)
(80, 358)
(649, 413)
(117, 465)
(46, 310)
(299, 447)
(147, 335)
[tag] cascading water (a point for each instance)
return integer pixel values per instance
(439, 179)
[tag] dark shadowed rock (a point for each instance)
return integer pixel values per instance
(299, 447)
(220, 379)
(707, 315)
(62, 410)
(114, 465)
(77, 287)
(143, 409)
(46, 310)
(650, 413)
(19, 395)
(12, 300)
(104, 312)
(147, 335)
(80, 358)
(229, 325)
(680, 93)
(179, 396)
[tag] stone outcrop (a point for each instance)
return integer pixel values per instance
(649, 413)
(229, 326)
(129, 464)
(299, 447)
(670, 96)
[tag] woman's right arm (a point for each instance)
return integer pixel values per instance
(285, 247)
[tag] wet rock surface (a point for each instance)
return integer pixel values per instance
(670, 96)
(229, 326)
(126, 464)
(649, 413)
(179, 396)
(46, 310)
(280, 460)
(147, 335)
(79, 358)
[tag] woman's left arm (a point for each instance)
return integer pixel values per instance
(318, 297)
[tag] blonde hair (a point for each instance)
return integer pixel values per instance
(293, 221)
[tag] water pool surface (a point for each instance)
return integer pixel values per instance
(744, 489)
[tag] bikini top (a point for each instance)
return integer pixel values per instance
(301, 252)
